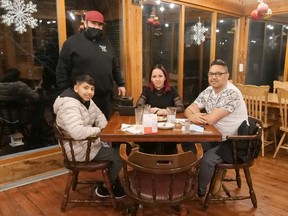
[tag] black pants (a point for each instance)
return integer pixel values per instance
(104, 104)
(163, 148)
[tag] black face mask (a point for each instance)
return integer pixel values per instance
(94, 33)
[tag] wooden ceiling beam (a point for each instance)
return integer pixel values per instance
(231, 6)
(277, 7)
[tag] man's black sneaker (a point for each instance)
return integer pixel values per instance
(118, 191)
(200, 195)
(101, 191)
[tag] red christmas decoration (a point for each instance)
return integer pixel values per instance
(150, 20)
(153, 19)
(262, 9)
(254, 15)
(156, 23)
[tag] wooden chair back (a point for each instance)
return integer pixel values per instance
(66, 143)
(244, 149)
(151, 179)
(283, 108)
(256, 98)
(279, 84)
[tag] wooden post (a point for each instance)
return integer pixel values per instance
(132, 19)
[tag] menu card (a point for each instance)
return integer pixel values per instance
(150, 123)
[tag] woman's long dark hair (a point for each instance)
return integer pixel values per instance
(167, 86)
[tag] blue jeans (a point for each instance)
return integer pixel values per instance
(207, 163)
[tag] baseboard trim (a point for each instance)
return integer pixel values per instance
(33, 179)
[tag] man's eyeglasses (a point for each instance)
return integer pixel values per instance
(216, 74)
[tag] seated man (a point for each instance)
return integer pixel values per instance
(225, 109)
(18, 109)
(11, 88)
(79, 116)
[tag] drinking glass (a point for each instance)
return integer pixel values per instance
(139, 115)
(146, 108)
(171, 116)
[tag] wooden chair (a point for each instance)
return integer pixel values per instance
(74, 167)
(279, 84)
(283, 107)
(151, 180)
(256, 99)
(244, 149)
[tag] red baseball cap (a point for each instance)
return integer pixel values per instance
(94, 16)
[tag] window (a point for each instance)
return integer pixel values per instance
(225, 33)
(196, 56)
(33, 53)
(266, 52)
(161, 38)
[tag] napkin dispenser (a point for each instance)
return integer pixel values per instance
(150, 124)
(126, 101)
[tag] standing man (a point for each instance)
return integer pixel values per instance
(225, 109)
(90, 52)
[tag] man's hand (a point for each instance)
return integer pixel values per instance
(121, 91)
(198, 118)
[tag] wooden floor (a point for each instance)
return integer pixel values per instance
(270, 179)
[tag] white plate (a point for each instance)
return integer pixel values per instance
(161, 118)
(165, 125)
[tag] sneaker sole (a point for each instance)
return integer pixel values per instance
(120, 197)
(100, 195)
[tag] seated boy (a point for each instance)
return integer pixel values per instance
(79, 116)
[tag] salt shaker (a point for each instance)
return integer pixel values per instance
(187, 126)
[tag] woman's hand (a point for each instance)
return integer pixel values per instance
(154, 110)
(158, 111)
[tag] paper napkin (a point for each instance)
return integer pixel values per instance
(195, 128)
(134, 129)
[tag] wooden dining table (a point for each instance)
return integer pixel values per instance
(113, 133)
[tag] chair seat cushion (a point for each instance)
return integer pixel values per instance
(162, 185)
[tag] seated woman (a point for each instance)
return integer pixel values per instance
(160, 95)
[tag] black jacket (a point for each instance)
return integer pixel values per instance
(225, 149)
(82, 55)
